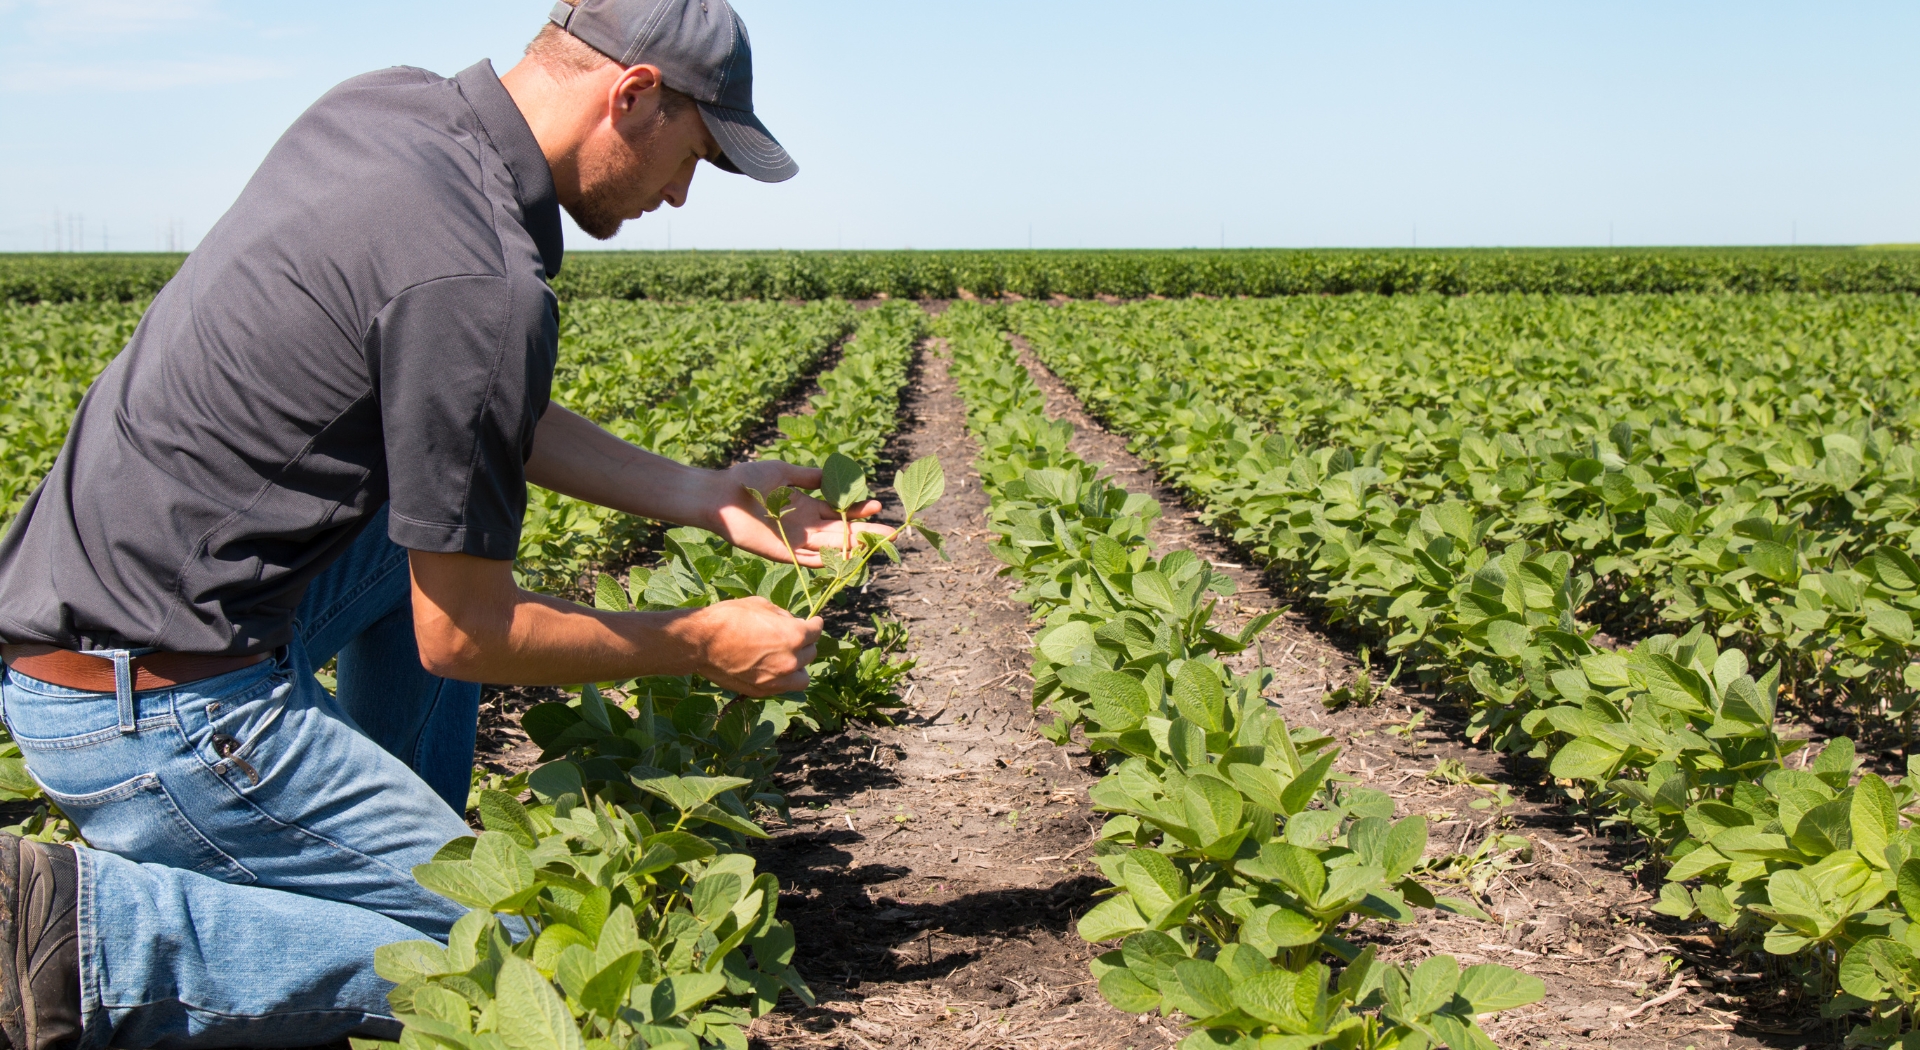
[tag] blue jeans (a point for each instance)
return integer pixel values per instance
(253, 836)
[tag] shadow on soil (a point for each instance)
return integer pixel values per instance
(854, 935)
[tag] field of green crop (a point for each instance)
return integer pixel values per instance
(1477, 485)
(1735, 463)
(1649, 516)
(1087, 274)
(49, 354)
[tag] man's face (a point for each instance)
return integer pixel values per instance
(636, 161)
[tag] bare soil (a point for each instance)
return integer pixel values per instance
(935, 869)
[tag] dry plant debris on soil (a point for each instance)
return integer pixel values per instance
(935, 869)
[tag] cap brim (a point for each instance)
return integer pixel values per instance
(747, 147)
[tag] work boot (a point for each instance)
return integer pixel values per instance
(39, 944)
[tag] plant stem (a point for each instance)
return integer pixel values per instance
(781, 527)
(853, 567)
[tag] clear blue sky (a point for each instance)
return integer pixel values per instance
(1111, 124)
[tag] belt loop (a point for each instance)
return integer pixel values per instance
(123, 689)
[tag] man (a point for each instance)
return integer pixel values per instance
(317, 445)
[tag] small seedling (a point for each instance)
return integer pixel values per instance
(1406, 730)
(1498, 801)
(1453, 771)
(1496, 853)
(1362, 690)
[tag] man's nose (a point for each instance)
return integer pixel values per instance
(675, 192)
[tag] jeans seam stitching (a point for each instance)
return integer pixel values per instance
(139, 783)
(247, 801)
(341, 1012)
(91, 738)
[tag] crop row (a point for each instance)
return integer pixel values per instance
(1742, 464)
(1086, 274)
(1235, 866)
(1675, 734)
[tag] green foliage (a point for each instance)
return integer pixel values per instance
(63, 277)
(1235, 867)
(858, 403)
(844, 486)
(1262, 272)
(33, 278)
(643, 924)
(1496, 485)
(852, 679)
(1737, 463)
(848, 680)
(629, 931)
(48, 357)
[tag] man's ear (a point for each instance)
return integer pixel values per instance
(632, 90)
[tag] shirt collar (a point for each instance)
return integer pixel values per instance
(504, 124)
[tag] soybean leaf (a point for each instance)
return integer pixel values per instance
(1490, 988)
(1874, 819)
(1432, 984)
(501, 812)
(921, 484)
(608, 595)
(530, 1014)
(1197, 693)
(934, 540)
(842, 482)
(685, 793)
(1119, 700)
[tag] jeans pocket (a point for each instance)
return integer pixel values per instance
(138, 819)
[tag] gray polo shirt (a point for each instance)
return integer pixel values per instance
(369, 323)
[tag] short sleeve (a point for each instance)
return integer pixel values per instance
(462, 372)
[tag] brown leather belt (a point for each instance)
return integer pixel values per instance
(94, 674)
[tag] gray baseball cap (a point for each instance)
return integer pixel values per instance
(702, 50)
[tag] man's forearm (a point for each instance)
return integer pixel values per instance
(474, 624)
(575, 456)
(538, 640)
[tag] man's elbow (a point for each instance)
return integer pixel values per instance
(449, 652)
(462, 613)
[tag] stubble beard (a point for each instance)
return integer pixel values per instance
(606, 177)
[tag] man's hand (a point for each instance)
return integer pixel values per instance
(810, 525)
(472, 623)
(575, 456)
(754, 647)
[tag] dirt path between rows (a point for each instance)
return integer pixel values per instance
(935, 867)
